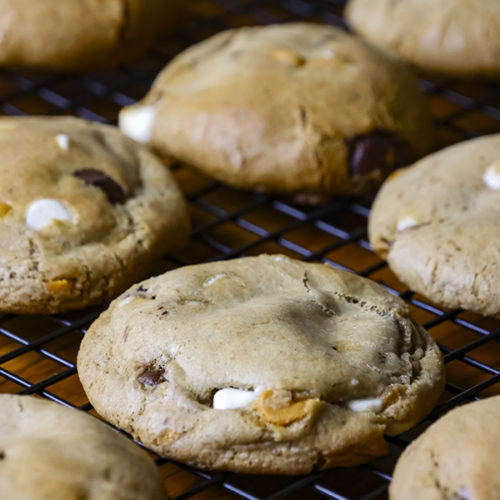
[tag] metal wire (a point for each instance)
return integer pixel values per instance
(38, 354)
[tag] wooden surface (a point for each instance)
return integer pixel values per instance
(231, 223)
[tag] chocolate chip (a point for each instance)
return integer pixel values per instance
(377, 152)
(151, 377)
(93, 177)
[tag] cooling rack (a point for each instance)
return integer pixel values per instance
(38, 353)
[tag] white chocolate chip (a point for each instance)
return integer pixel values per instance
(354, 382)
(42, 212)
(126, 300)
(63, 141)
(213, 279)
(406, 222)
(230, 399)
(463, 493)
(369, 404)
(279, 258)
(492, 175)
(137, 122)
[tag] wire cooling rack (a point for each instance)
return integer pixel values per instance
(38, 353)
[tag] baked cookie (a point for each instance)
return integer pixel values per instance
(83, 211)
(260, 365)
(286, 108)
(454, 37)
(49, 452)
(456, 458)
(78, 35)
(438, 225)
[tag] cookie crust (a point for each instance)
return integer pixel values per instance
(437, 225)
(454, 458)
(84, 213)
(452, 37)
(333, 359)
(49, 452)
(80, 35)
(286, 108)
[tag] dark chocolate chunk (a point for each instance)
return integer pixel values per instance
(93, 177)
(151, 377)
(378, 152)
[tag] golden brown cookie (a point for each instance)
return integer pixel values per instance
(78, 35)
(48, 452)
(261, 365)
(288, 108)
(453, 37)
(83, 213)
(456, 458)
(437, 223)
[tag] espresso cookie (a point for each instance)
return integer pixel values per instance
(455, 458)
(78, 35)
(260, 365)
(288, 108)
(49, 452)
(437, 224)
(454, 37)
(83, 212)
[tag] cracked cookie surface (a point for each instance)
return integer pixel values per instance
(437, 223)
(69, 455)
(455, 458)
(83, 212)
(78, 35)
(296, 108)
(453, 37)
(260, 365)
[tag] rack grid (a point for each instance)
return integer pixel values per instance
(38, 353)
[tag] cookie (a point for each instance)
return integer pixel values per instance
(78, 35)
(260, 365)
(455, 458)
(84, 211)
(49, 452)
(438, 225)
(290, 108)
(452, 37)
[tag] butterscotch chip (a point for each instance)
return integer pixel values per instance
(5, 208)
(287, 56)
(260, 365)
(82, 225)
(60, 285)
(286, 411)
(70, 454)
